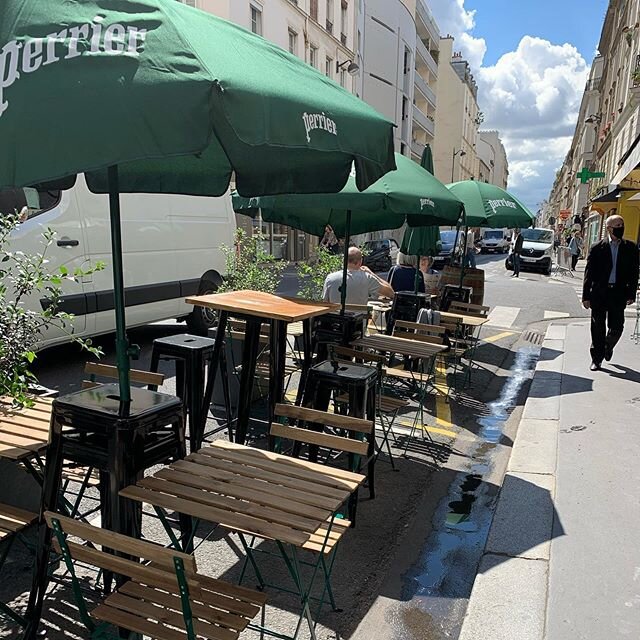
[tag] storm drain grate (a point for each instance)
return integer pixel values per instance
(534, 337)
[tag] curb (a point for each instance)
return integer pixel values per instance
(509, 595)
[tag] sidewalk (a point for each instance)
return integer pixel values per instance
(562, 560)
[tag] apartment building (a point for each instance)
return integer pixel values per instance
(427, 54)
(607, 135)
(493, 166)
(457, 117)
(323, 33)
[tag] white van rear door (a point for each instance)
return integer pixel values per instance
(55, 210)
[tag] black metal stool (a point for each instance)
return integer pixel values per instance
(336, 327)
(190, 354)
(406, 306)
(93, 428)
(359, 382)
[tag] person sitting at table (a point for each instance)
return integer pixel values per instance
(402, 277)
(362, 284)
(431, 276)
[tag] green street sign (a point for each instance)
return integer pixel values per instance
(585, 175)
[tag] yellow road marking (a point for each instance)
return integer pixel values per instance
(499, 336)
(426, 427)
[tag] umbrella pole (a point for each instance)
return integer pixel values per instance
(345, 262)
(418, 276)
(122, 344)
(464, 257)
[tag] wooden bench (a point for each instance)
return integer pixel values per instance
(165, 597)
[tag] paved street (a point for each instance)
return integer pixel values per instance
(425, 533)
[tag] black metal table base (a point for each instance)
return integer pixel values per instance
(91, 427)
(277, 361)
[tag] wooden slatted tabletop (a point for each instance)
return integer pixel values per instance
(24, 431)
(403, 346)
(470, 321)
(263, 305)
(252, 491)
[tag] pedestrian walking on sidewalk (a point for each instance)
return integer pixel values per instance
(610, 284)
(516, 249)
(575, 248)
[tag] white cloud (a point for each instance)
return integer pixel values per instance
(531, 96)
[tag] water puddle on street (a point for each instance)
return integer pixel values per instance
(441, 581)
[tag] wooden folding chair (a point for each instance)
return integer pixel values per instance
(165, 597)
(322, 430)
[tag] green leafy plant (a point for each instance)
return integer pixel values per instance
(21, 326)
(313, 272)
(249, 266)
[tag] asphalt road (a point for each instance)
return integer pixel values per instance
(406, 571)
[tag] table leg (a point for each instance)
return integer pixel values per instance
(249, 358)
(307, 361)
(277, 362)
(195, 391)
(216, 361)
(49, 501)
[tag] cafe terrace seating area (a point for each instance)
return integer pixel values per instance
(276, 449)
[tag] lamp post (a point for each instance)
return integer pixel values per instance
(460, 152)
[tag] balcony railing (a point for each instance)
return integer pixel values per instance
(423, 120)
(329, 26)
(423, 52)
(343, 39)
(425, 89)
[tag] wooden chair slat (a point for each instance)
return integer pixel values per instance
(124, 544)
(418, 326)
(136, 375)
(135, 623)
(327, 440)
(322, 417)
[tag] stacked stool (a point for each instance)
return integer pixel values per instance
(359, 383)
(191, 355)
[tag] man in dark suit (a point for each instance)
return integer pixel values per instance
(516, 249)
(610, 283)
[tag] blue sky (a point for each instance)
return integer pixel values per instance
(502, 23)
(531, 59)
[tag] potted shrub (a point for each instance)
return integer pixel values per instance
(22, 277)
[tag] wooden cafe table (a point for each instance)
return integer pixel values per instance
(260, 495)
(256, 307)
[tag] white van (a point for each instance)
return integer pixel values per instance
(494, 240)
(170, 243)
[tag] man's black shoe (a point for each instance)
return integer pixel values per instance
(608, 353)
(595, 366)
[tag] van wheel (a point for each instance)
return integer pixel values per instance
(200, 320)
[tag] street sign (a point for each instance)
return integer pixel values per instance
(564, 214)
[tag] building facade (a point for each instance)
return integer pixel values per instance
(493, 166)
(427, 54)
(457, 117)
(325, 34)
(607, 135)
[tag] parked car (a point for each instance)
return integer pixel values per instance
(494, 240)
(381, 254)
(537, 251)
(171, 250)
(448, 240)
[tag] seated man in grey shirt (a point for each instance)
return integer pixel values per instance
(362, 284)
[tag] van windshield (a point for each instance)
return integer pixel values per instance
(35, 200)
(448, 237)
(538, 235)
(493, 235)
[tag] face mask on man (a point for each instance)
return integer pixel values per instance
(617, 232)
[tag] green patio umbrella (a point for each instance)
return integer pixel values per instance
(487, 205)
(422, 241)
(155, 96)
(408, 194)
